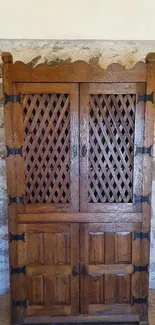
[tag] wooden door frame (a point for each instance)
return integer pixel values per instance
(78, 72)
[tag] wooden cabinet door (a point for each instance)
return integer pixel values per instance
(111, 162)
(49, 257)
(48, 129)
(111, 135)
(46, 181)
(109, 279)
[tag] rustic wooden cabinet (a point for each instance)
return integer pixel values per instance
(79, 160)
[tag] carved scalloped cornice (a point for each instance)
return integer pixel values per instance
(78, 71)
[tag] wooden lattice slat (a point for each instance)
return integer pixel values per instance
(111, 147)
(46, 148)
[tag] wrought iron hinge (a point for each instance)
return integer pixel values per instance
(139, 301)
(146, 98)
(142, 199)
(140, 268)
(19, 303)
(17, 270)
(15, 199)
(141, 235)
(16, 237)
(14, 151)
(12, 98)
(144, 150)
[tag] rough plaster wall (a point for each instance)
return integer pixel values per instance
(55, 52)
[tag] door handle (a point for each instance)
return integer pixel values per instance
(84, 270)
(74, 152)
(74, 271)
(84, 151)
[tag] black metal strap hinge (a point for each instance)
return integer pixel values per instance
(146, 98)
(19, 303)
(12, 98)
(144, 150)
(139, 301)
(16, 237)
(17, 270)
(142, 199)
(15, 199)
(141, 235)
(140, 268)
(14, 151)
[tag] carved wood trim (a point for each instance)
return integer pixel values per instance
(78, 71)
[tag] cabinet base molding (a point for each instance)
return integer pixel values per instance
(92, 323)
(83, 319)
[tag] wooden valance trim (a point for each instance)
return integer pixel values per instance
(79, 71)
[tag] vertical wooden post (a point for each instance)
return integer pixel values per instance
(11, 140)
(147, 181)
(10, 161)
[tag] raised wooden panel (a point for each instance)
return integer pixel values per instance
(35, 248)
(35, 290)
(96, 248)
(123, 289)
(48, 253)
(123, 248)
(109, 288)
(48, 290)
(96, 289)
(62, 290)
(109, 248)
(62, 248)
(60, 252)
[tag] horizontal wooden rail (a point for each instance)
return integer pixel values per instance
(79, 217)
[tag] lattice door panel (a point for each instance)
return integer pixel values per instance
(112, 128)
(111, 147)
(49, 150)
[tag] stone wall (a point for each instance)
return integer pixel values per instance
(56, 52)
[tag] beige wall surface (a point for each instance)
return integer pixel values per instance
(78, 19)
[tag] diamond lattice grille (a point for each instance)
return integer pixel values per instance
(111, 147)
(46, 148)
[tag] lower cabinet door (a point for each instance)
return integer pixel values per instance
(110, 281)
(50, 253)
(104, 286)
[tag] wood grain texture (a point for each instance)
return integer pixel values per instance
(5, 314)
(106, 288)
(52, 288)
(79, 177)
(147, 176)
(50, 124)
(85, 319)
(78, 217)
(78, 71)
(10, 122)
(107, 119)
